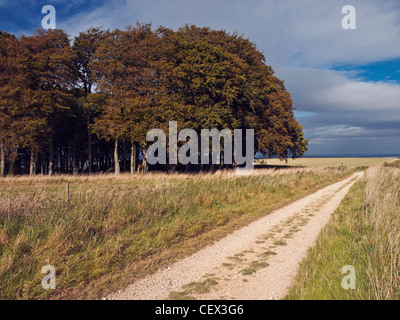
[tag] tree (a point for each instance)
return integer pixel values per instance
(9, 96)
(218, 80)
(72, 109)
(84, 49)
(124, 73)
(47, 65)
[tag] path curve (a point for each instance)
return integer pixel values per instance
(258, 261)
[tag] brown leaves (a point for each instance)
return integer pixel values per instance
(125, 82)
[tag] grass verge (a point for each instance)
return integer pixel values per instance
(364, 232)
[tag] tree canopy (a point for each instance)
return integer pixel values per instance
(86, 105)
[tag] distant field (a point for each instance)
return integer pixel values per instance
(325, 162)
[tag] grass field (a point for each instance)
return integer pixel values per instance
(364, 233)
(114, 230)
(325, 162)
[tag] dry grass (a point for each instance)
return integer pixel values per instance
(325, 162)
(116, 229)
(382, 198)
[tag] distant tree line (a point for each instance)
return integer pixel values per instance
(85, 105)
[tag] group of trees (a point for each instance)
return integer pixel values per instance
(86, 105)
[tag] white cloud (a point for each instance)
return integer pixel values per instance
(304, 32)
(339, 130)
(300, 40)
(326, 90)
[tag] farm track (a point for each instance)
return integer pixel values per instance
(259, 261)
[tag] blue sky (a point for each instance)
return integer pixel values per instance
(344, 83)
(21, 16)
(385, 71)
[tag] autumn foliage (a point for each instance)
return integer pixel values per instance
(86, 105)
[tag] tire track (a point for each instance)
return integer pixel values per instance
(258, 261)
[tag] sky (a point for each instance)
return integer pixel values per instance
(345, 83)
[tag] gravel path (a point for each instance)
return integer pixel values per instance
(258, 261)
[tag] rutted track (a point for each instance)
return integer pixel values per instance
(258, 261)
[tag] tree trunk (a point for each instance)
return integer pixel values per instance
(68, 155)
(32, 165)
(212, 168)
(144, 162)
(82, 165)
(89, 145)
(75, 169)
(2, 160)
(12, 167)
(42, 163)
(51, 158)
(116, 159)
(133, 158)
(124, 161)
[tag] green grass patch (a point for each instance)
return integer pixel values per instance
(228, 265)
(364, 232)
(253, 267)
(267, 254)
(280, 243)
(193, 288)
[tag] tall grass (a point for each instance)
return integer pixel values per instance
(364, 232)
(393, 164)
(114, 230)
